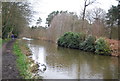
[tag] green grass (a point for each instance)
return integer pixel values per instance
(5, 40)
(0, 42)
(21, 61)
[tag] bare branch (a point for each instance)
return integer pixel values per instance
(90, 2)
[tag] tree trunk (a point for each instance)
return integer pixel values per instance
(119, 23)
(83, 16)
(111, 32)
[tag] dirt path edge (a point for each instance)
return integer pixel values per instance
(9, 68)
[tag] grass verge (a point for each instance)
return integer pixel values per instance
(0, 42)
(22, 63)
(5, 40)
(27, 67)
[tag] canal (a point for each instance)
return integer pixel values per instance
(64, 63)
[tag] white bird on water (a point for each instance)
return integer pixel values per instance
(25, 38)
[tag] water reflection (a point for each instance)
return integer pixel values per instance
(38, 54)
(64, 63)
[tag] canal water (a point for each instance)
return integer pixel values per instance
(64, 63)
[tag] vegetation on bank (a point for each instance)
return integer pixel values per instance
(21, 61)
(71, 40)
(88, 44)
(102, 47)
(5, 40)
(26, 65)
(85, 43)
(0, 42)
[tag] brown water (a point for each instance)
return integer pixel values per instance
(64, 63)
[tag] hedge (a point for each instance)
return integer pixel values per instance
(80, 41)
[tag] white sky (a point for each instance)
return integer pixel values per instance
(44, 7)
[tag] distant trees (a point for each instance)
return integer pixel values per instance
(0, 19)
(112, 17)
(39, 21)
(119, 19)
(15, 16)
(63, 22)
(60, 22)
(50, 17)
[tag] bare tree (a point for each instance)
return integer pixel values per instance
(95, 13)
(96, 18)
(89, 16)
(63, 22)
(86, 3)
(99, 13)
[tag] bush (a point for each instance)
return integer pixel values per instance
(102, 47)
(70, 40)
(88, 44)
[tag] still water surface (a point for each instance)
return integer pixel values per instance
(64, 63)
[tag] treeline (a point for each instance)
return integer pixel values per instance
(0, 20)
(97, 23)
(15, 17)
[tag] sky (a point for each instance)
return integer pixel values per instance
(44, 7)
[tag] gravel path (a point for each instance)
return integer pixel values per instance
(9, 69)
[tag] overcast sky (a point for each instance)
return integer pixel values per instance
(44, 7)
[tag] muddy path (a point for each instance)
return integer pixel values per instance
(0, 63)
(9, 68)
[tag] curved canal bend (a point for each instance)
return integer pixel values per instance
(64, 63)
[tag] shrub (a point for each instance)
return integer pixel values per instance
(102, 47)
(70, 40)
(88, 44)
(82, 37)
